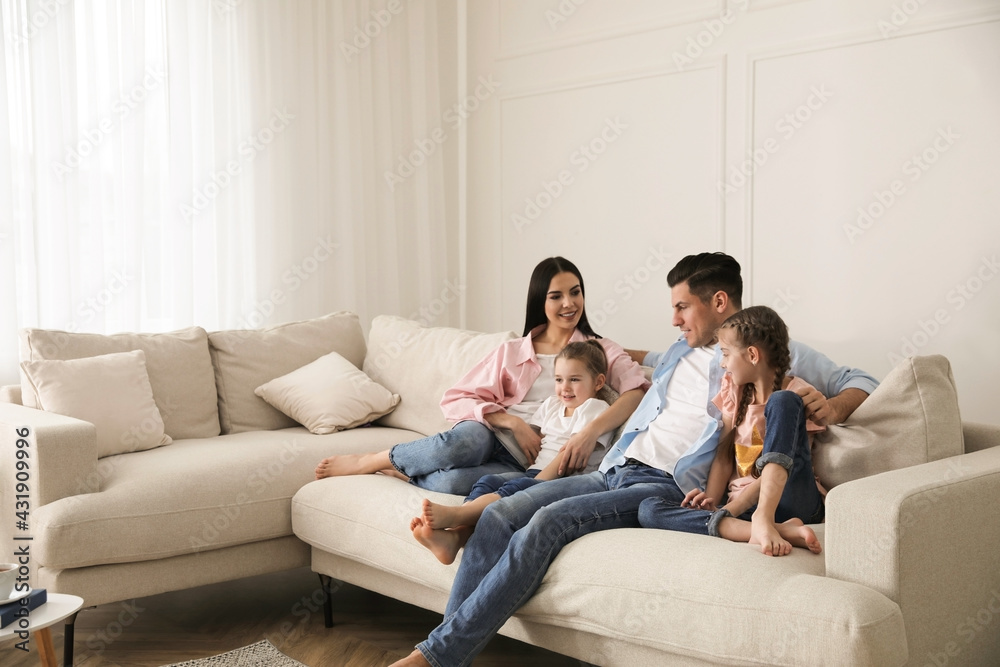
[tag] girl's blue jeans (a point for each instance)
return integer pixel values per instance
(785, 443)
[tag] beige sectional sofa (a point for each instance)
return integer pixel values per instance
(911, 538)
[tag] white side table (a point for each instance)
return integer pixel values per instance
(58, 607)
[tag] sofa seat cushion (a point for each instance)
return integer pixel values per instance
(687, 594)
(195, 495)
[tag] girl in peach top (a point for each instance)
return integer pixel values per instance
(766, 472)
(502, 392)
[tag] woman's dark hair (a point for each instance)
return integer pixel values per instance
(538, 289)
(763, 328)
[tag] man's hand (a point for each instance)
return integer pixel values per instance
(831, 411)
(817, 407)
(698, 499)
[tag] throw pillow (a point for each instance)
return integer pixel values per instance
(911, 418)
(328, 395)
(420, 364)
(245, 359)
(110, 391)
(178, 364)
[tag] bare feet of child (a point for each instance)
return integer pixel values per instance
(353, 464)
(800, 535)
(415, 659)
(443, 516)
(444, 544)
(764, 533)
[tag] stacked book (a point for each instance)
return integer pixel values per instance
(21, 606)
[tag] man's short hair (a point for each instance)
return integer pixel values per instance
(708, 273)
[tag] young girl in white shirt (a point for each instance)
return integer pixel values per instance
(580, 372)
(766, 472)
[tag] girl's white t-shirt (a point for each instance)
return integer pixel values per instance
(557, 430)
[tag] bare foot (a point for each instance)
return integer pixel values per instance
(800, 535)
(353, 464)
(441, 516)
(392, 472)
(764, 533)
(444, 544)
(415, 659)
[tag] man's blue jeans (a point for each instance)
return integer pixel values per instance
(518, 537)
(785, 443)
(453, 461)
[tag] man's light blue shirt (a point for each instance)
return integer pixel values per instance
(691, 470)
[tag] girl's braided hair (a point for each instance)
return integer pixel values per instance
(764, 329)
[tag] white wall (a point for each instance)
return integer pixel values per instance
(837, 99)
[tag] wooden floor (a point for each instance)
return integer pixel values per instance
(286, 608)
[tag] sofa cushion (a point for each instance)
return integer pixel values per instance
(328, 395)
(694, 595)
(111, 391)
(911, 418)
(420, 364)
(195, 495)
(178, 364)
(246, 359)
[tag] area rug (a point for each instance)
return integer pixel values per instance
(261, 654)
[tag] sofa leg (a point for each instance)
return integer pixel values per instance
(68, 632)
(327, 600)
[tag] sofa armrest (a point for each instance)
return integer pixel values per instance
(980, 436)
(62, 458)
(926, 537)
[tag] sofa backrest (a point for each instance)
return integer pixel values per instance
(178, 364)
(420, 364)
(244, 359)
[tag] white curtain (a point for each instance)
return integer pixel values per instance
(220, 163)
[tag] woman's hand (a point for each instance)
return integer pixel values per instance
(698, 499)
(528, 439)
(576, 452)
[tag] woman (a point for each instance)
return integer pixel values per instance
(502, 392)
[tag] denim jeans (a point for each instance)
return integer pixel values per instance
(504, 484)
(518, 537)
(453, 461)
(785, 443)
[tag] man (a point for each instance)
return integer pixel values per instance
(518, 537)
